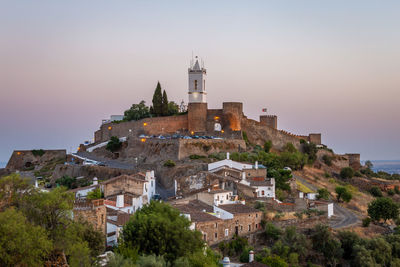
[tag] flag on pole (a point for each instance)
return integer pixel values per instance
(264, 110)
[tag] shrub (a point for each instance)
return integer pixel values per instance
(114, 144)
(375, 191)
(366, 221)
(267, 146)
(357, 174)
(343, 193)
(323, 193)
(396, 190)
(272, 232)
(169, 163)
(245, 138)
(327, 160)
(347, 173)
(390, 192)
(311, 150)
(38, 152)
(327, 175)
(383, 208)
(194, 156)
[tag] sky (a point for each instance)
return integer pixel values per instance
(321, 66)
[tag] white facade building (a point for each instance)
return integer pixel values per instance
(197, 83)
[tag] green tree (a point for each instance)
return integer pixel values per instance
(164, 107)
(137, 112)
(50, 210)
(368, 164)
(342, 193)
(383, 208)
(114, 144)
(323, 193)
(297, 242)
(12, 189)
(347, 173)
(173, 108)
(267, 146)
(159, 229)
(21, 243)
(157, 101)
(327, 160)
(375, 191)
(272, 232)
(151, 261)
(324, 242)
(289, 147)
(348, 240)
(117, 260)
(95, 194)
(310, 149)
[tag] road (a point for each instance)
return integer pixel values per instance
(342, 216)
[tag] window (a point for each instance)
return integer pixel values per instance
(241, 228)
(226, 232)
(256, 226)
(195, 84)
(249, 227)
(205, 237)
(216, 225)
(216, 235)
(256, 215)
(263, 192)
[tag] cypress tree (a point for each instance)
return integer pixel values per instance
(157, 101)
(164, 104)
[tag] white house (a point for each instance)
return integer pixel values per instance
(82, 192)
(215, 197)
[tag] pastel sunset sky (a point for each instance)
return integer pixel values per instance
(321, 66)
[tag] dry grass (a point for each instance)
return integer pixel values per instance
(358, 204)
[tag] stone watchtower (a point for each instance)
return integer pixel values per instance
(197, 108)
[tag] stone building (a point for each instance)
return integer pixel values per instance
(220, 223)
(93, 211)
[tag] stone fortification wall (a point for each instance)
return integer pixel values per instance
(197, 117)
(148, 126)
(87, 171)
(259, 132)
(269, 120)
(23, 159)
(151, 151)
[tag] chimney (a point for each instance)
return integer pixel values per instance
(95, 182)
(251, 256)
(209, 190)
(226, 262)
(227, 157)
(148, 175)
(120, 201)
(256, 165)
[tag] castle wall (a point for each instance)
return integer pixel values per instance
(147, 126)
(233, 112)
(23, 159)
(269, 120)
(197, 117)
(354, 161)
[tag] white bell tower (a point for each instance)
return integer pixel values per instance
(197, 82)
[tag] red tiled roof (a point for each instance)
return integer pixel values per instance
(237, 208)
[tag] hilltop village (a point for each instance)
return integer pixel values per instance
(250, 190)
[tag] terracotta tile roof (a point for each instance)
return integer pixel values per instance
(198, 211)
(139, 177)
(260, 183)
(238, 208)
(122, 218)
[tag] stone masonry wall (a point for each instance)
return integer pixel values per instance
(21, 159)
(148, 126)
